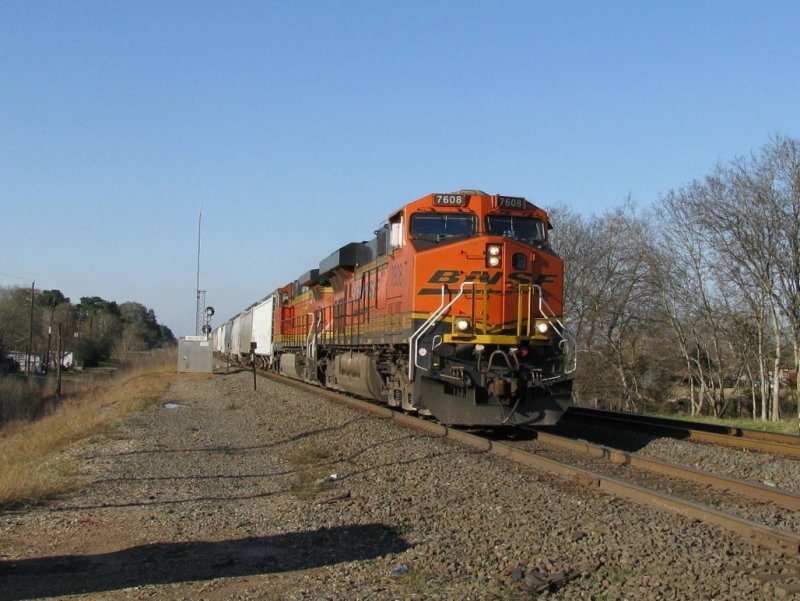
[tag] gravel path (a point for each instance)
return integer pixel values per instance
(278, 494)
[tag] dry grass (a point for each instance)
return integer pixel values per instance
(23, 398)
(788, 425)
(310, 474)
(35, 463)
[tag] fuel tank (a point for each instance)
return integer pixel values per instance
(357, 374)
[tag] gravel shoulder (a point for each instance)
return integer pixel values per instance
(279, 494)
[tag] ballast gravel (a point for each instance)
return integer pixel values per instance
(231, 493)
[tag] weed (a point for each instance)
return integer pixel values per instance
(309, 477)
(33, 465)
(788, 425)
(310, 453)
(419, 582)
(513, 593)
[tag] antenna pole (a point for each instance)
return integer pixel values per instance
(198, 308)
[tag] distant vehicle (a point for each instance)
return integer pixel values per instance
(9, 365)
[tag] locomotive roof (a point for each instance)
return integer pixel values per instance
(470, 199)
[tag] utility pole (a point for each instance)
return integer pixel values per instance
(49, 337)
(58, 364)
(30, 332)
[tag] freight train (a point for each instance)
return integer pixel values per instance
(453, 310)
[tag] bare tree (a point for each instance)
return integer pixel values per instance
(609, 301)
(782, 156)
(709, 291)
(682, 274)
(740, 209)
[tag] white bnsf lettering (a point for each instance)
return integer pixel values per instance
(449, 200)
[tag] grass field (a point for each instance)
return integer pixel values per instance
(34, 464)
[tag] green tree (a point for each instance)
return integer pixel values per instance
(49, 301)
(99, 325)
(51, 298)
(141, 330)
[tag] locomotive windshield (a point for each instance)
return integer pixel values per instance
(526, 229)
(440, 226)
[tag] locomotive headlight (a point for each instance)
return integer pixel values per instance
(542, 327)
(462, 325)
(493, 252)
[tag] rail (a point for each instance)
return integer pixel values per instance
(758, 492)
(767, 442)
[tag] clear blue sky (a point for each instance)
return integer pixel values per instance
(299, 126)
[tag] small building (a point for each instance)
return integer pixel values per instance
(27, 363)
(35, 363)
(195, 354)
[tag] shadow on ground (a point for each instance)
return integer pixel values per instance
(167, 563)
(628, 440)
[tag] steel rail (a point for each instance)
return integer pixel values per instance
(763, 535)
(754, 440)
(768, 494)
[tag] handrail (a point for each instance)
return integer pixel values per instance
(522, 289)
(413, 340)
(563, 332)
(310, 338)
(322, 327)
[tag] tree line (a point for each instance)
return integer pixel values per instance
(33, 322)
(695, 300)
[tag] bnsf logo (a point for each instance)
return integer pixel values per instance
(454, 276)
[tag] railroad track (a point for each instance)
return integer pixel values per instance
(760, 533)
(753, 440)
(707, 480)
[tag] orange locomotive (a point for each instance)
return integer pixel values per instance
(453, 310)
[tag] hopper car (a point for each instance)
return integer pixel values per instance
(453, 309)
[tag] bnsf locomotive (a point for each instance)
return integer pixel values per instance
(453, 310)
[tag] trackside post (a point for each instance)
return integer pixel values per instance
(253, 347)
